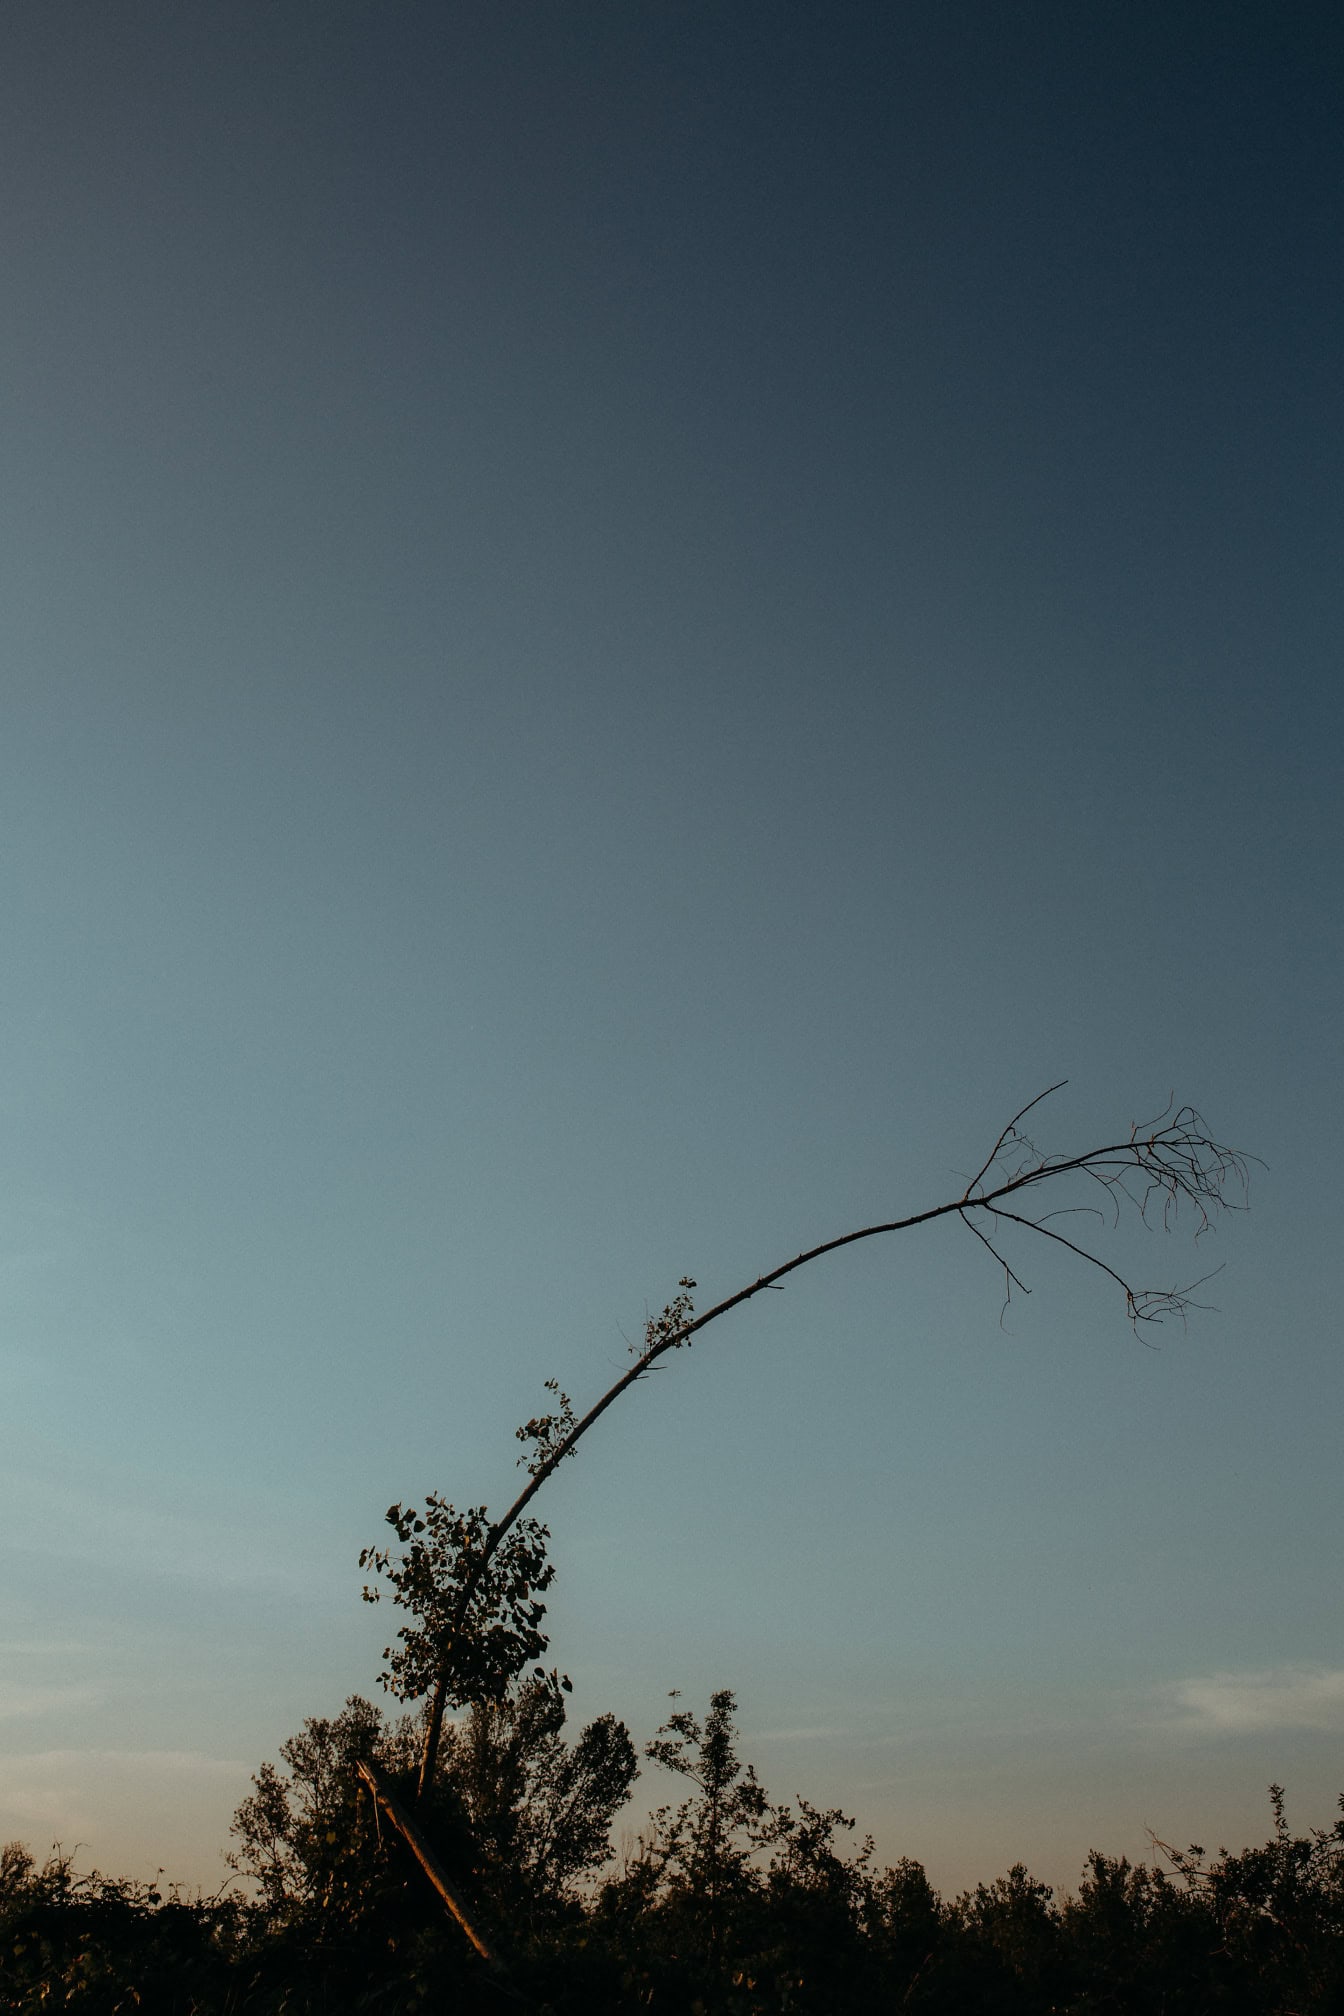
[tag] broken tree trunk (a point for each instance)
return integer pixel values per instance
(386, 1799)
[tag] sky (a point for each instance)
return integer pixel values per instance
(622, 626)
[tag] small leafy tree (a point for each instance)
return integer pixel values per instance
(734, 1900)
(540, 1810)
(477, 1608)
(1136, 1939)
(517, 1805)
(813, 1939)
(1278, 1910)
(295, 1828)
(1010, 1926)
(707, 1843)
(905, 1920)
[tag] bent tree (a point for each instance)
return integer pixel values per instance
(474, 1585)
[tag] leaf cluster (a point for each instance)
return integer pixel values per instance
(548, 1433)
(477, 1608)
(664, 1331)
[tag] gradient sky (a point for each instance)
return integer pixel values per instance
(621, 626)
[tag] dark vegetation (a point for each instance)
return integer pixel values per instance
(460, 1855)
(727, 1902)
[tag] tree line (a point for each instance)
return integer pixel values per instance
(727, 1901)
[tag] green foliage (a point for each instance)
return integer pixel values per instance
(107, 1946)
(296, 1828)
(1136, 1940)
(478, 1614)
(1009, 1948)
(903, 1921)
(730, 1891)
(548, 1433)
(518, 1816)
(540, 1811)
(660, 1331)
(707, 1844)
(1279, 1910)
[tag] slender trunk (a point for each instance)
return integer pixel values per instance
(433, 1731)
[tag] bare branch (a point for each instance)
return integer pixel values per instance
(1131, 1298)
(1010, 1131)
(1010, 1280)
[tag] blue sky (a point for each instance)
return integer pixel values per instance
(621, 627)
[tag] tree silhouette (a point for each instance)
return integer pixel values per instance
(474, 1592)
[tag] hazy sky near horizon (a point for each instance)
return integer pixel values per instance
(621, 626)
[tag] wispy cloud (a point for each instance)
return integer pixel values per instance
(32, 1676)
(815, 1732)
(20, 1698)
(1287, 1697)
(175, 1761)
